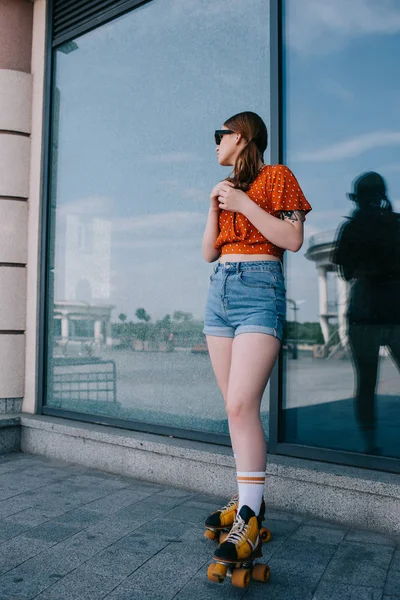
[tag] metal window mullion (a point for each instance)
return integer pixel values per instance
(275, 143)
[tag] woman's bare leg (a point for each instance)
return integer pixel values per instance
(220, 350)
(253, 357)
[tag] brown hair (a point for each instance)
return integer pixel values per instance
(254, 131)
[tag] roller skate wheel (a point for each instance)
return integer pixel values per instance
(223, 536)
(261, 572)
(241, 578)
(217, 572)
(211, 535)
(265, 535)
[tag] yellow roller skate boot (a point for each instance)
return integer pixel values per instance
(243, 540)
(219, 522)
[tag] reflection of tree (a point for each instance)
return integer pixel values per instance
(142, 315)
(179, 315)
(123, 334)
(310, 333)
(182, 329)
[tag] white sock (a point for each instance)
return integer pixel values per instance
(251, 489)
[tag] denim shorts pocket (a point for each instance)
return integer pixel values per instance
(258, 279)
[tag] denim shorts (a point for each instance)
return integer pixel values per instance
(246, 297)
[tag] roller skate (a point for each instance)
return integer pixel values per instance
(235, 556)
(219, 523)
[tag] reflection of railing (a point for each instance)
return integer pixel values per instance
(323, 237)
(90, 384)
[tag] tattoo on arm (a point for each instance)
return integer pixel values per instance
(292, 215)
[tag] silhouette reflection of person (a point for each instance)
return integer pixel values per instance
(367, 253)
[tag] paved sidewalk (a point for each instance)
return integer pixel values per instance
(71, 533)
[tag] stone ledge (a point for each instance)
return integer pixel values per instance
(10, 420)
(356, 497)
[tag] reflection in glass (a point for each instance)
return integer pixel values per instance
(134, 111)
(341, 377)
(368, 255)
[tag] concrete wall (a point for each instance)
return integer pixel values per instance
(16, 20)
(16, 35)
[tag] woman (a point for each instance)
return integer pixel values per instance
(254, 216)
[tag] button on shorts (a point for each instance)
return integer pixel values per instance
(246, 297)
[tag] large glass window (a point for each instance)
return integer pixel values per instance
(135, 105)
(342, 136)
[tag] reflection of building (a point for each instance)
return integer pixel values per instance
(87, 257)
(79, 319)
(320, 251)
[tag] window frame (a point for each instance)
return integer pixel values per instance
(277, 152)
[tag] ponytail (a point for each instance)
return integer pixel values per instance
(246, 167)
(253, 129)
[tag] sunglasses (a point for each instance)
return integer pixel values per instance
(219, 133)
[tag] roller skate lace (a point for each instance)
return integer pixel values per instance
(238, 531)
(234, 500)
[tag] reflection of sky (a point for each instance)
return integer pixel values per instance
(140, 99)
(142, 95)
(343, 115)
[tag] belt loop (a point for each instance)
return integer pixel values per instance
(238, 267)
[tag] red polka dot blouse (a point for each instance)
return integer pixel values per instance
(275, 189)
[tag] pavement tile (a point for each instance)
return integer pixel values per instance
(80, 585)
(16, 551)
(339, 591)
(360, 564)
(116, 501)
(32, 517)
(282, 515)
(29, 579)
(165, 574)
(50, 532)
(209, 506)
(122, 560)
(163, 527)
(322, 535)
(99, 481)
(14, 505)
(200, 587)
(79, 517)
(188, 514)
(392, 585)
(70, 553)
(176, 493)
(271, 591)
(371, 537)
(280, 532)
(300, 563)
(10, 530)
(217, 501)
(166, 502)
(322, 523)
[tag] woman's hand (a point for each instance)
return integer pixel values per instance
(214, 202)
(232, 199)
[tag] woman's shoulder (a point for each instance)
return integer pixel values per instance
(276, 170)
